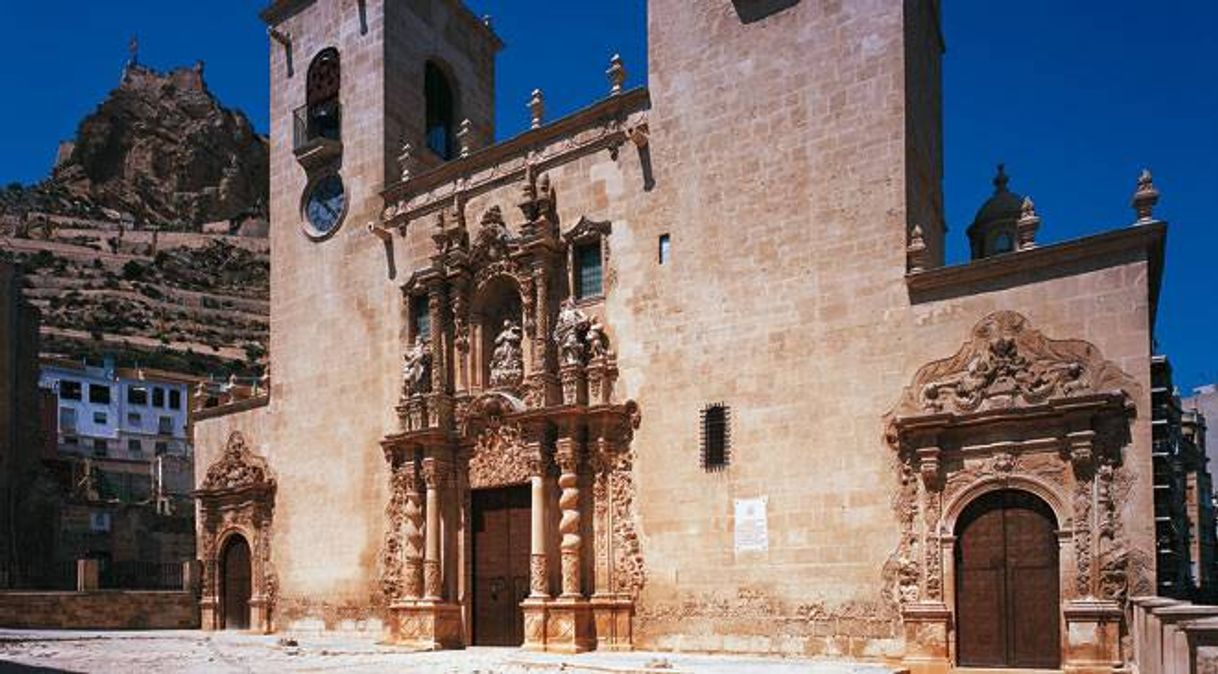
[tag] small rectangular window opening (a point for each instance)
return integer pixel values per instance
(588, 276)
(421, 311)
(69, 390)
(664, 243)
(137, 395)
(716, 436)
(99, 394)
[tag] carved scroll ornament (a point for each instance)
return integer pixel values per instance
(237, 468)
(1008, 364)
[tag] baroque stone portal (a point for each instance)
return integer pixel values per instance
(1013, 409)
(520, 392)
(237, 498)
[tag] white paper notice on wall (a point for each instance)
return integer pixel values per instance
(751, 534)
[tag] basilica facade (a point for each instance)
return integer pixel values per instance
(682, 370)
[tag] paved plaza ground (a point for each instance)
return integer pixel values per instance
(137, 652)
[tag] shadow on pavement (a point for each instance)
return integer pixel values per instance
(18, 668)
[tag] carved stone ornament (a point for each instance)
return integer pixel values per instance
(507, 361)
(238, 467)
(1007, 364)
(416, 369)
(500, 458)
(493, 239)
(570, 334)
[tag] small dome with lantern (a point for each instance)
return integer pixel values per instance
(994, 230)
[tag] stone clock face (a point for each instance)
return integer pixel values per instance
(325, 204)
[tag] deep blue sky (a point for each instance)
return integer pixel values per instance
(1074, 96)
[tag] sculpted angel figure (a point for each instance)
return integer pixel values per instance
(416, 368)
(598, 343)
(507, 361)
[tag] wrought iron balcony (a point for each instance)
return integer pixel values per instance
(317, 131)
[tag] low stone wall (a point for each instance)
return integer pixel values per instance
(102, 609)
(1171, 636)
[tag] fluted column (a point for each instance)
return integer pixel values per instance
(432, 580)
(412, 581)
(567, 457)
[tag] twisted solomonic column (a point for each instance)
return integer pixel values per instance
(412, 581)
(568, 527)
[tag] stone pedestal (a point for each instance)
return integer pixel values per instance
(927, 628)
(260, 615)
(209, 617)
(613, 618)
(1093, 636)
(87, 573)
(425, 624)
(574, 385)
(534, 610)
(569, 626)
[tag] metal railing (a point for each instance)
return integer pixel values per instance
(316, 121)
(56, 576)
(136, 575)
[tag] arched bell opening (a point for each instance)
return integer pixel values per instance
(1007, 582)
(498, 322)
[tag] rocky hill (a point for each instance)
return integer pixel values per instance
(148, 239)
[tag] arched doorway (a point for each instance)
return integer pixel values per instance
(235, 573)
(1007, 590)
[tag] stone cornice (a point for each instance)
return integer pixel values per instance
(278, 10)
(230, 408)
(1149, 239)
(507, 161)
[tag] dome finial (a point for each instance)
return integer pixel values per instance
(1001, 179)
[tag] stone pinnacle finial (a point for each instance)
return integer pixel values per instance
(406, 160)
(537, 109)
(616, 74)
(465, 137)
(1001, 179)
(1027, 225)
(1145, 197)
(916, 252)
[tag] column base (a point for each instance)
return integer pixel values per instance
(927, 628)
(1093, 636)
(425, 624)
(260, 615)
(613, 619)
(560, 625)
(534, 609)
(209, 614)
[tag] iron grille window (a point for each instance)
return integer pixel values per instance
(158, 397)
(588, 276)
(716, 436)
(175, 399)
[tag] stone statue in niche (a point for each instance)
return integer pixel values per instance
(598, 343)
(507, 361)
(569, 333)
(416, 370)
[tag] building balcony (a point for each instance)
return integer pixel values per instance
(317, 133)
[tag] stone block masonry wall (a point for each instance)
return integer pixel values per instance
(101, 610)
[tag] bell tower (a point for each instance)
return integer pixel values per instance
(352, 82)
